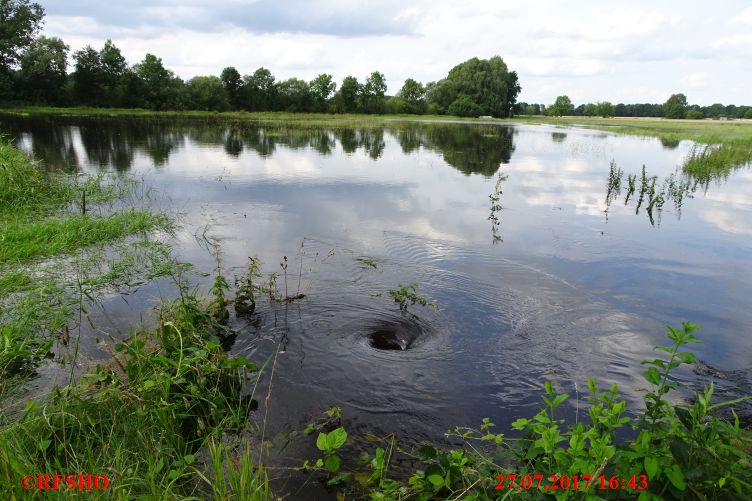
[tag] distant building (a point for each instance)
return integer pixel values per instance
(486, 116)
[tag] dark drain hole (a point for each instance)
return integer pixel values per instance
(390, 340)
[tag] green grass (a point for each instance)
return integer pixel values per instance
(156, 419)
(22, 240)
(266, 118)
(54, 229)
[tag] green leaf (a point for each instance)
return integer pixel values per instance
(336, 438)
(436, 480)
(321, 442)
(332, 463)
(676, 477)
(549, 388)
(687, 357)
(592, 385)
(653, 376)
(426, 452)
(559, 399)
(520, 424)
(319, 463)
(651, 467)
(435, 475)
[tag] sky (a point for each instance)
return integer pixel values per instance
(636, 51)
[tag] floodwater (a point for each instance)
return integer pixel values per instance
(566, 278)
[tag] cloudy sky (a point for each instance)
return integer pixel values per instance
(636, 51)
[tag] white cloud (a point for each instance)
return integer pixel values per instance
(638, 51)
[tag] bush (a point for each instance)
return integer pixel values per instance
(463, 106)
(694, 115)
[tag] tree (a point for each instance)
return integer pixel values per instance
(207, 93)
(231, 81)
(347, 97)
(162, 89)
(44, 70)
(20, 20)
(605, 109)
(89, 78)
(113, 67)
(485, 82)
(372, 93)
(294, 95)
(464, 106)
(591, 110)
(562, 106)
(513, 90)
(413, 95)
(258, 91)
(675, 106)
(322, 87)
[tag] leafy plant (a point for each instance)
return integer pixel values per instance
(328, 443)
(405, 294)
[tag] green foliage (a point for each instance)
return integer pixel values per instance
(677, 451)
(294, 95)
(346, 99)
(207, 93)
(694, 115)
(233, 473)
(590, 110)
(605, 109)
(562, 106)
(413, 95)
(247, 286)
(477, 87)
(675, 106)
(371, 96)
(44, 66)
(20, 20)
(161, 88)
(496, 208)
(405, 294)
(38, 298)
(708, 162)
(143, 418)
(322, 88)
(258, 92)
(464, 106)
(328, 443)
(231, 82)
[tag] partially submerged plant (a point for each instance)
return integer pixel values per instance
(246, 287)
(405, 294)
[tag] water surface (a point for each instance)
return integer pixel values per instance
(569, 279)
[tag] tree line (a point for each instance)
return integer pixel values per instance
(675, 106)
(34, 70)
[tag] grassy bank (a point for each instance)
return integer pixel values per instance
(155, 419)
(263, 118)
(55, 230)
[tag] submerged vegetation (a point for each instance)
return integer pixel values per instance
(52, 228)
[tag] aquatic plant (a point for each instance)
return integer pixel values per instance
(496, 208)
(405, 294)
